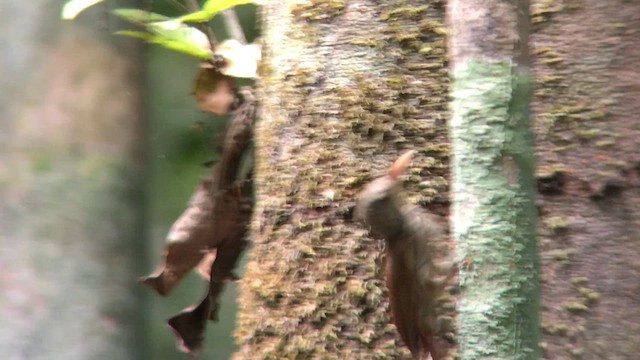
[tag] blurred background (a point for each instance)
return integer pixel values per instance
(101, 145)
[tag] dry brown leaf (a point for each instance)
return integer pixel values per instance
(188, 239)
(211, 232)
(214, 91)
(204, 266)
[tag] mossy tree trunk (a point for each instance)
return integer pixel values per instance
(70, 175)
(587, 101)
(346, 87)
(493, 215)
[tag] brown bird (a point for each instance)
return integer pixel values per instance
(415, 279)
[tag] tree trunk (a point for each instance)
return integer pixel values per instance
(346, 87)
(587, 101)
(70, 217)
(493, 215)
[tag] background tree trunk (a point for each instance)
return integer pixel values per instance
(587, 101)
(333, 98)
(493, 216)
(71, 189)
(346, 87)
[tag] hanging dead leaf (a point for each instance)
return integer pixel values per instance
(211, 232)
(204, 266)
(214, 91)
(188, 239)
(189, 325)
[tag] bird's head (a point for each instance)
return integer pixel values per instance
(379, 202)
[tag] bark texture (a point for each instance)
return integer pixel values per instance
(70, 176)
(587, 101)
(493, 215)
(347, 85)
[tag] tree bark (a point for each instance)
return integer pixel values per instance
(493, 215)
(346, 87)
(70, 218)
(586, 101)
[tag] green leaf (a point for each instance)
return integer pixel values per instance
(136, 34)
(139, 16)
(74, 7)
(175, 35)
(169, 43)
(211, 8)
(182, 47)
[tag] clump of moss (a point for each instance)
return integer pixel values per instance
(576, 352)
(559, 255)
(605, 143)
(554, 328)
(541, 11)
(590, 295)
(579, 280)
(315, 10)
(556, 223)
(588, 134)
(575, 307)
(550, 171)
(409, 12)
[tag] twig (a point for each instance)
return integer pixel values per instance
(176, 4)
(193, 6)
(233, 25)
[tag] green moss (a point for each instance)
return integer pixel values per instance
(552, 60)
(573, 4)
(396, 81)
(575, 307)
(588, 134)
(550, 78)
(554, 328)
(404, 12)
(576, 352)
(371, 41)
(579, 280)
(542, 10)
(605, 143)
(588, 115)
(542, 50)
(301, 347)
(314, 10)
(550, 170)
(543, 346)
(432, 25)
(556, 223)
(549, 56)
(575, 331)
(354, 181)
(589, 295)
(425, 49)
(606, 174)
(562, 148)
(559, 255)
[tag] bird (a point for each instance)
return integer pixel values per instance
(415, 276)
